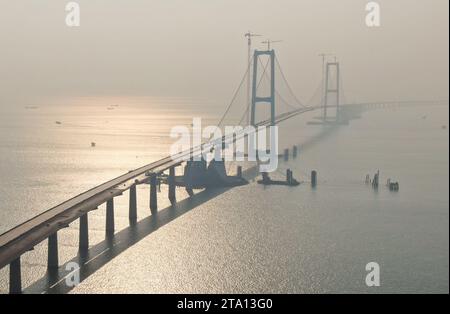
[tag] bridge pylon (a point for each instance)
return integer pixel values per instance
(331, 92)
(268, 99)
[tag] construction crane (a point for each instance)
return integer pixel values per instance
(249, 36)
(269, 42)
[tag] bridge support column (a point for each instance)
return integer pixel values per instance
(329, 91)
(239, 171)
(294, 151)
(257, 100)
(83, 244)
(190, 191)
(53, 262)
(171, 181)
(132, 215)
(286, 154)
(288, 176)
(313, 178)
(153, 194)
(15, 277)
(110, 217)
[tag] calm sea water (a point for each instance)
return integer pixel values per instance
(250, 239)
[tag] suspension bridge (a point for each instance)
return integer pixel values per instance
(266, 90)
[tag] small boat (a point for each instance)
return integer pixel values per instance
(93, 144)
(58, 122)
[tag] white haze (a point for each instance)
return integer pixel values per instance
(196, 48)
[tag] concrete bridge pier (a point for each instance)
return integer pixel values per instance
(288, 176)
(132, 215)
(153, 194)
(110, 217)
(313, 178)
(53, 262)
(190, 191)
(15, 277)
(171, 182)
(239, 171)
(83, 244)
(294, 151)
(286, 154)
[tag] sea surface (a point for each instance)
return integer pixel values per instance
(248, 239)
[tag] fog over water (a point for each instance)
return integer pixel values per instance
(197, 48)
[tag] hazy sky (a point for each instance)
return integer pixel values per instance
(196, 48)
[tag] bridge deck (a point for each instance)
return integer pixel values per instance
(25, 236)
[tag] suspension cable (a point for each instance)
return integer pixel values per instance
(287, 84)
(284, 101)
(235, 95)
(257, 86)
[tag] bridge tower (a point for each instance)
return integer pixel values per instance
(331, 92)
(268, 99)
